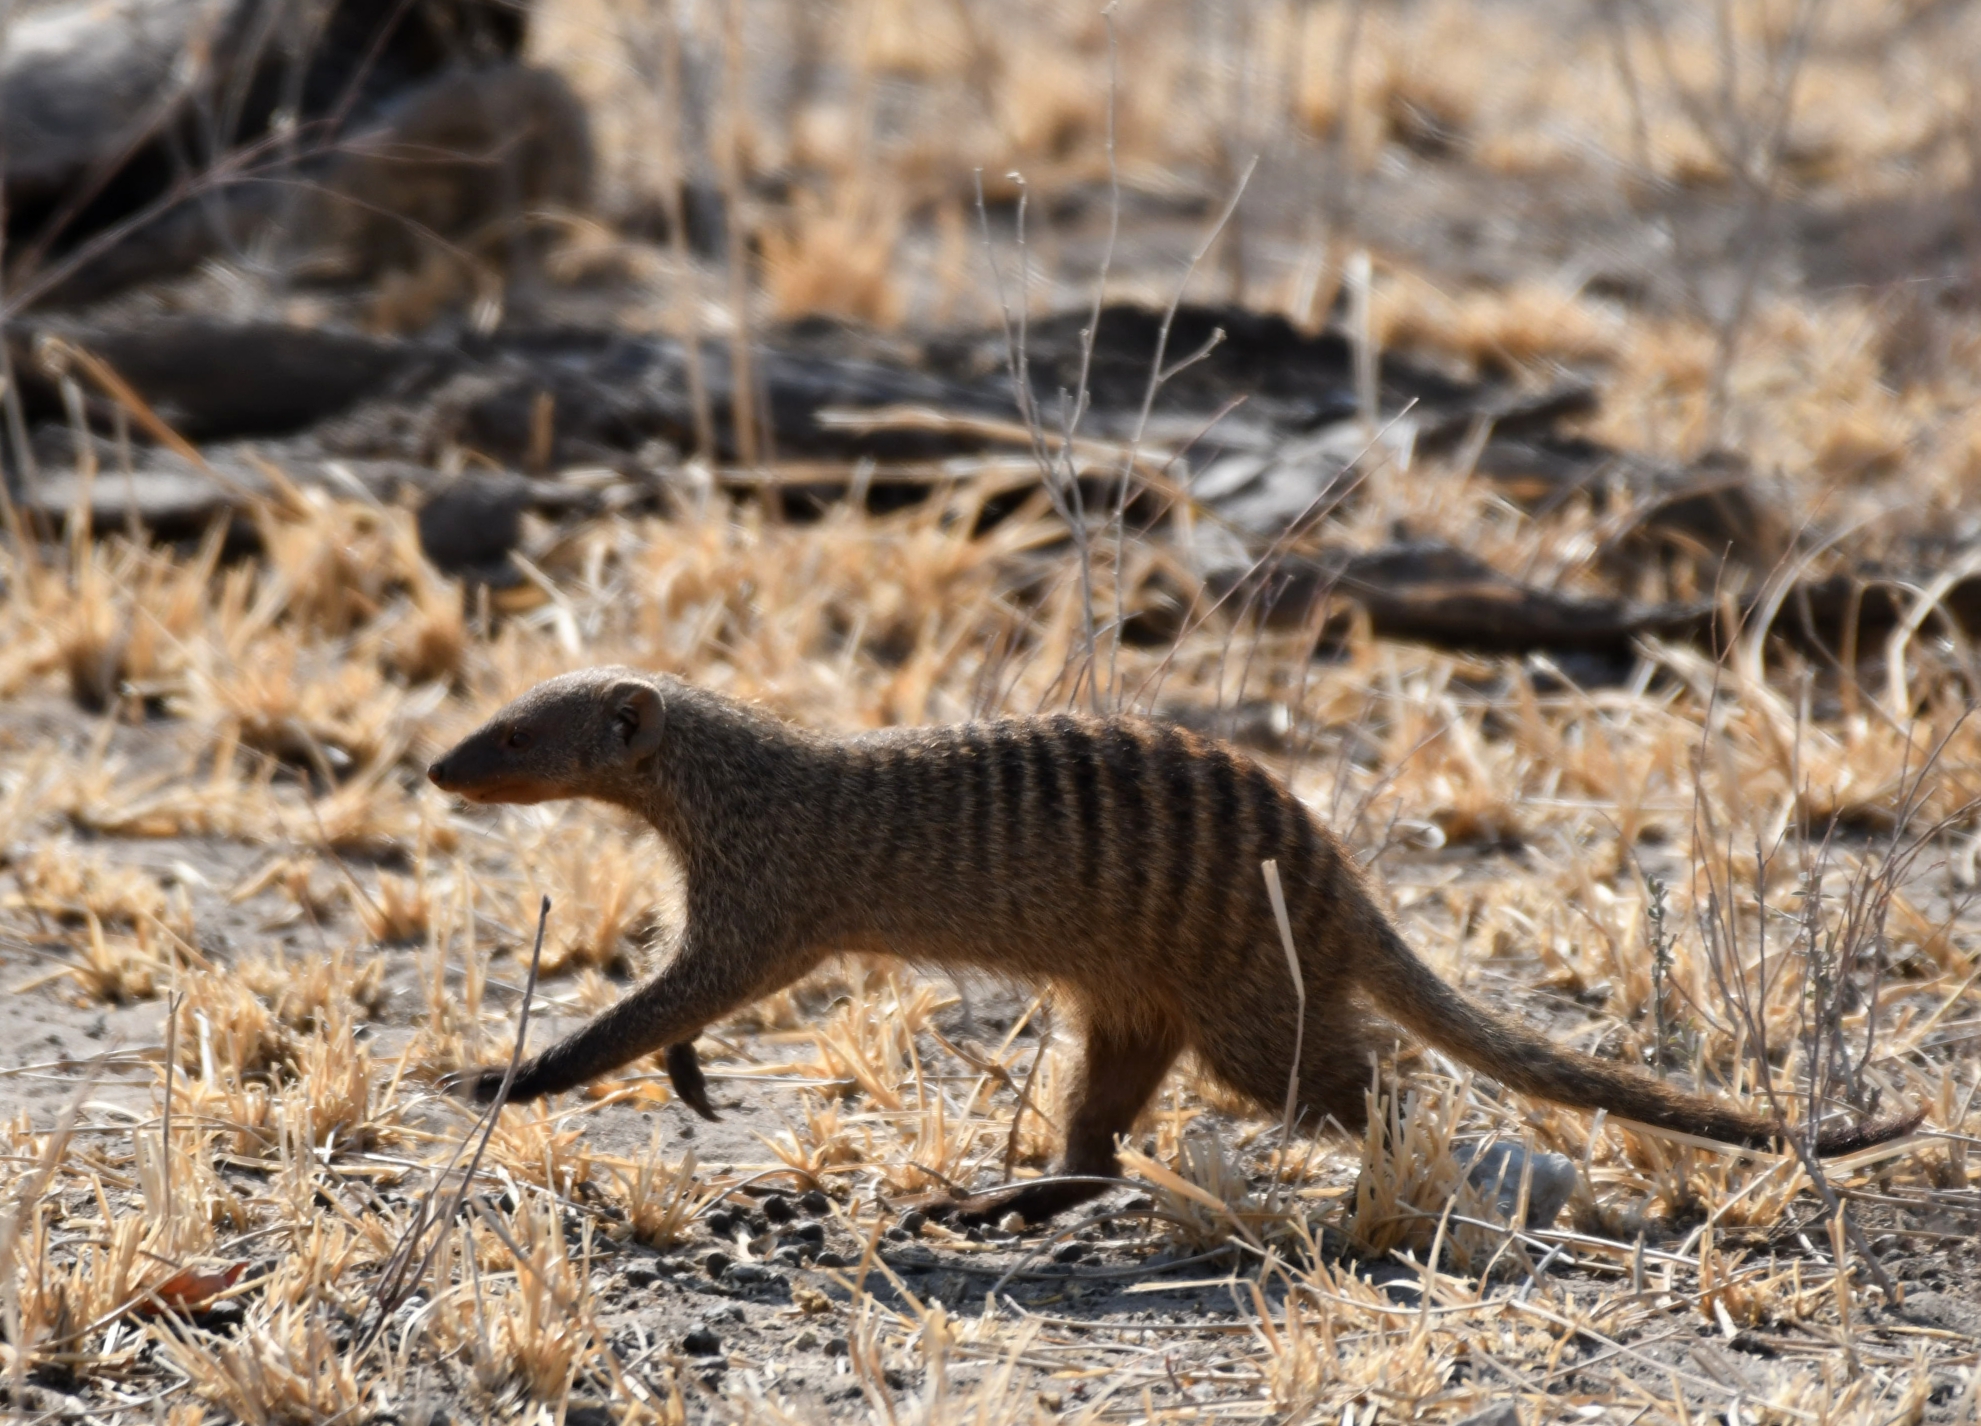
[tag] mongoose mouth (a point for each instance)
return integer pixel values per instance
(511, 789)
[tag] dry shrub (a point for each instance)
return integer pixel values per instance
(226, 1031)
(63, 880)
(610, 885)
(865, 1048)
(1521, 327)
(838, 260)
(308, 991)
(1410, 1180)
(543, 1329)
(537, 1145)
(662, 1202)
(115, 966)
(288, 1365)
(825, 1141)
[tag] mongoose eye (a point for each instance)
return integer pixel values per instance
(518, 738)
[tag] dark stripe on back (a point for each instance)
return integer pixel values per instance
(1266, 815)
(1083, 774)
(1124, 765)
(894, 839)
(1176, 789)
(1221, 876)
(1020, 841)
(975, 847)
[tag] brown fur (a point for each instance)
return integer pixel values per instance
(1117, 859)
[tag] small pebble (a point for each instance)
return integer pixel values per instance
(835, 1346)
(815, 1203)
(813, 1233)
(1012, 1222)
(747, 1273)
(830, 1260)
(778, 1209)
(701, 1343)
(806, 1341)
(1069, 1252)
(716, 1264)
(914, 1220)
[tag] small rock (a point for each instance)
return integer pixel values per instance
(815, 1203)
(1012, 1223)
(748, 1274)
(813, 1233)
(830, 1260)
(641, 1275)
(1401, 1284)
(914, 1220)
(716, 1264)
(470, 525)
(1551, 1181)
(835, 1346)
(225, 1316)
(1069, 1252)
(805, 1341)
(723, 1223)
(778, 1209)
(792, 1255)
(1500, 1413)
(701, 1343)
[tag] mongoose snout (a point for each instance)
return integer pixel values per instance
(1118, 859)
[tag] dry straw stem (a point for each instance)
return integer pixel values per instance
(400, 1275)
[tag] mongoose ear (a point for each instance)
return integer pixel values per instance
(637, 715)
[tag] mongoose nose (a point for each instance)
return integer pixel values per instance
(437, 774)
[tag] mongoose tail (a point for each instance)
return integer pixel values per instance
(1525, 1061)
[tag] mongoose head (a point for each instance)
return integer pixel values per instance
(581, 734)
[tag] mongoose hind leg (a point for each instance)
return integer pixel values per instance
(1119, 1073)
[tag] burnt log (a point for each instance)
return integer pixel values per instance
(1431, 593)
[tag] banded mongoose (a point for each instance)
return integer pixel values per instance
(1117, 859)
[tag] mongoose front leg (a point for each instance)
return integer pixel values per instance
(1120, 1071)
(701, 985)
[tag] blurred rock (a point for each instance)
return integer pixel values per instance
(460, 182)
(117, 119)
(1551, 1178)
(469, 526)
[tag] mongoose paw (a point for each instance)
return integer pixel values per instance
(684, 1072)
(480, 1086)
(1036, 1203)
(988, 1207)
